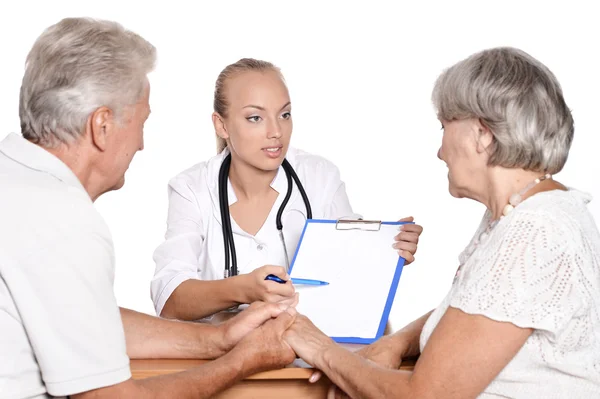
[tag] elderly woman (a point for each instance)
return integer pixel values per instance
(522, 318)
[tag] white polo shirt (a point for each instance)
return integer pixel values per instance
(193, 246)
(60, 327)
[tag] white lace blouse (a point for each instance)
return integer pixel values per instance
(539, 267)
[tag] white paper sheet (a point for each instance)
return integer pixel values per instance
(359, 265)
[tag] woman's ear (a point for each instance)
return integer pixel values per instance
(484, 135)
(219, 124)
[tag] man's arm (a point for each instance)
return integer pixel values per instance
(263, 349)
(201, 382)
(149, 337)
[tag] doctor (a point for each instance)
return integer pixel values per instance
(216, 258)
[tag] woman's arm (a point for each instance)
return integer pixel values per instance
(195, 299)
(176, 289)
(463, 355)
(389, 350)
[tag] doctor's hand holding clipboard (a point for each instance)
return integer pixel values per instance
(247, 206)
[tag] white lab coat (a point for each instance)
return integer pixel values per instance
(193, 246)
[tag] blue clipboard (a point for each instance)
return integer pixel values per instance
(361, 225)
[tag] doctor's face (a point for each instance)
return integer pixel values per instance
(258, 124)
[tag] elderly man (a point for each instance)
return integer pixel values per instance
(84, 100)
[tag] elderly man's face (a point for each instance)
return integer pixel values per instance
(129, 139)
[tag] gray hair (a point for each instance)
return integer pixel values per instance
(518, 98)
(75, 67)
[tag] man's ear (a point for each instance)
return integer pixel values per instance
(101, 125)
(484, 135)
(219, 125)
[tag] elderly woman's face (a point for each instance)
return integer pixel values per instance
(259, 119)
(459, 152)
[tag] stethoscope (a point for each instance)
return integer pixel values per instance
(226, 220)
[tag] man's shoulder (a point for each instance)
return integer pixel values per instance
(32, 199)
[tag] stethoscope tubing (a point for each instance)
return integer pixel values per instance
(229, 245)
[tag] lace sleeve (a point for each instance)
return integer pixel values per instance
(525, 273)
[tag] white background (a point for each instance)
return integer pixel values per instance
(360, 76)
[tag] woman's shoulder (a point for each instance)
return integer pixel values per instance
(199, 174)
(563, 210)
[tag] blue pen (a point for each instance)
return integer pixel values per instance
(304, 281)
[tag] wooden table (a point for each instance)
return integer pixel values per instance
(290, 382)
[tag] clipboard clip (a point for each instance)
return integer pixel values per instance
(358, 224)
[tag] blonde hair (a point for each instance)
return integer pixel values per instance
(220, 101)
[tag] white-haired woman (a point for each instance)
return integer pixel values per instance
(522, 318)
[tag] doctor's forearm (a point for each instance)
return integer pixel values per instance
(195, 299)
(150, 337)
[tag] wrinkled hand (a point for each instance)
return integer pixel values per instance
(264, 348)
(236, 328)
(407, 240)
(383, 352)
(259, 289)
(307, 340)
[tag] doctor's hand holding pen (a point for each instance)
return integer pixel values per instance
(256, 288)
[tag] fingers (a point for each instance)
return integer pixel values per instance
(273, 288)
(256, 305)
(260, 313)
(284, 320)
(407, 240)
(408, 257)
(268, 310)
(296, 300)
(315, 376)
(407, 219)
(279, 271)
(407, 236)
(293, 301)
(288, 302)
(331, 392)
(405, 246)
(415, 228)
(335, 393)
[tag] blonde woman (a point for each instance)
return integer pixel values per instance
(241, 213)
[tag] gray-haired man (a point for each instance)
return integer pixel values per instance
(84, 101)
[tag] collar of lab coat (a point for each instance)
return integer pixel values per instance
(279, 183)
